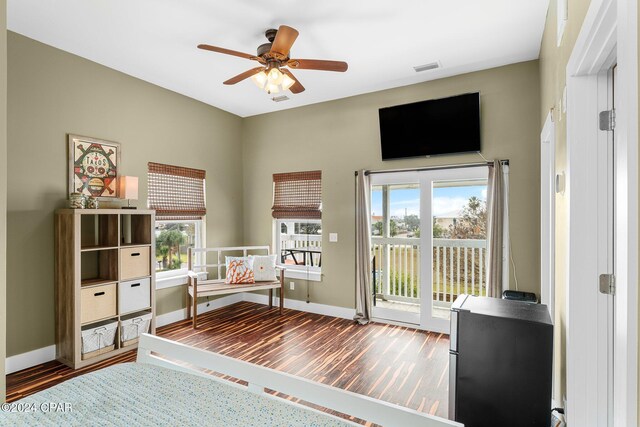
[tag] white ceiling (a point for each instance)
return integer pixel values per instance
(155, 40)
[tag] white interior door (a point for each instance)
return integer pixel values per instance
(608, 35)
(606, 194)
(428, 243)
(591, 191)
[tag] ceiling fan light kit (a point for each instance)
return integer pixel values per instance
(273, 81)
(272, 76)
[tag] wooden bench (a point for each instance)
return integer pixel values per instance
(201, 288)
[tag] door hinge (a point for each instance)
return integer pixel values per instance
(608, 120)
(608, 284)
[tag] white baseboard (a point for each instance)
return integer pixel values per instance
(178, 315)
(31, 358)
(46, 354)
(311, 307)
(402, 324)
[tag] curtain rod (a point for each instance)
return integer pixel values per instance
(431, 168)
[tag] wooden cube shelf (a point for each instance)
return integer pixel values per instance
(98, 231)
(98, 251)
(98, 266)
(136, 230)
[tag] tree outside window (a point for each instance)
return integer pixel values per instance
(172, 242)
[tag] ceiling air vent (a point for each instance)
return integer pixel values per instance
(280, 98)
(425, 67)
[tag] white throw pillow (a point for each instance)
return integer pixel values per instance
(264, 267)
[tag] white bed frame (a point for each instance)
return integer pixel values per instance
(156, 351)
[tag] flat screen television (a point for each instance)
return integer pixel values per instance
(428, 128)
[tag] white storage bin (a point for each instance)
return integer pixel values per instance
(98, 338)
(132, 327)
(134, 295)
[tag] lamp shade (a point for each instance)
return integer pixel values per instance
(129, 187)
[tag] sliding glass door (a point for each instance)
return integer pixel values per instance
(428, 242)
(458, 240)
(396, 230)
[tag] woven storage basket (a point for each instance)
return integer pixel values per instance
(132, 328)
(98, 338)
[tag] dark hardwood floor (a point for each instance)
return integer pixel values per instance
(392, 363)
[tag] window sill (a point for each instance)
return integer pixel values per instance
(177, 280)
(313, 276)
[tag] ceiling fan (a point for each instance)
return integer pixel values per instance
(272, 76)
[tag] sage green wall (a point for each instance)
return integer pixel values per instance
(339, 137)
(553, 65)
(3, 190)
(52, 93)
(170, 299)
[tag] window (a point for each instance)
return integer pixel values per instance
(173, 239)
(395, 210)
(297, 210)
(299, 244)
(177, 194)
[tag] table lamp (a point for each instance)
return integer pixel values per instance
(129, 190)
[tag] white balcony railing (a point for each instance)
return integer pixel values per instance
(458, 267)
(310, 242)
(289, 241)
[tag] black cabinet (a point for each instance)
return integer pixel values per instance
(500, 363)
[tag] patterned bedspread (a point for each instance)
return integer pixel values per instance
(133, 394)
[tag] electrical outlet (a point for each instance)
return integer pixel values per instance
(292, 285)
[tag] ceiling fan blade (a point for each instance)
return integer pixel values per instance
(284, 40)
(240, 77)
(296, 87)
(318, 64)
(226, 51)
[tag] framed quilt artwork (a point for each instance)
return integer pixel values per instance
(93, 167)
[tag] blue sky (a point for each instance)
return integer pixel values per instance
(445, 200)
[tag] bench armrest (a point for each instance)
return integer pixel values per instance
(192, 274)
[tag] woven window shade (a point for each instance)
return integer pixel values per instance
(176, 192)
(297, 195)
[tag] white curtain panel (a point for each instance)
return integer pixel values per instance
(497, 230)
(363, 248)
